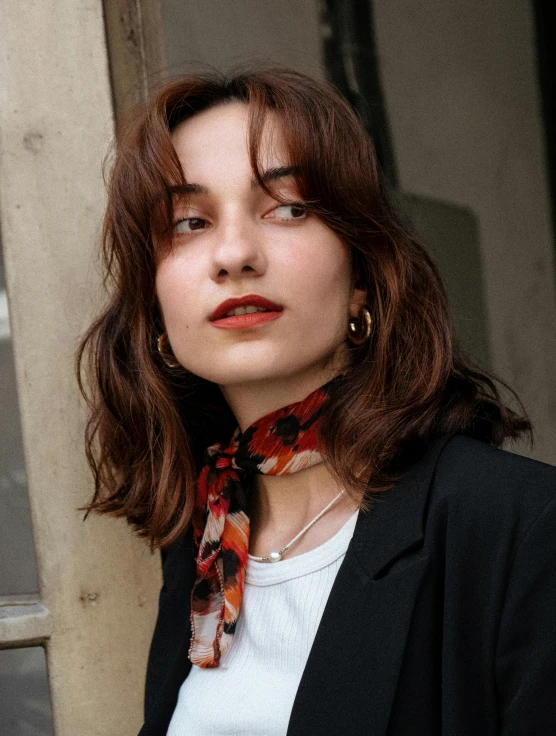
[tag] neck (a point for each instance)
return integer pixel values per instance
(281, 505)
(287, 499)
(252, 400)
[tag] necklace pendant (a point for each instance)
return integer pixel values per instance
(274, 556)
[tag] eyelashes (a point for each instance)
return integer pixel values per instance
(181, 225)
(297, 210)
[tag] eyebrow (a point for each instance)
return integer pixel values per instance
(268, 176)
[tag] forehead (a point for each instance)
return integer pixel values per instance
(219, 137)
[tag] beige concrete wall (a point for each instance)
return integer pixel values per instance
(463, 104)
(222, 34)
(98, 582)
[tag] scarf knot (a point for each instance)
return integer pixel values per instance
(282, 442)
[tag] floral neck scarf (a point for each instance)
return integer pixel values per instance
(279, 443)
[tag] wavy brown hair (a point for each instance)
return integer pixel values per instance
(149, 424)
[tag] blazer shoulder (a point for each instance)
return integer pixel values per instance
(475, 480)
(462, 449)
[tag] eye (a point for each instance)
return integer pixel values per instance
(188, 224)
(293, 211)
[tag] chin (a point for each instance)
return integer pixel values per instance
(241, 375)
(275, 372)
(257, 363)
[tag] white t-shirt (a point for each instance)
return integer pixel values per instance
(251, 693)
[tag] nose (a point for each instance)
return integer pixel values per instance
(238, 250)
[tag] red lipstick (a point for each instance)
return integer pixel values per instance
(219, 319)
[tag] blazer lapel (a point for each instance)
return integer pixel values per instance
(351, 675)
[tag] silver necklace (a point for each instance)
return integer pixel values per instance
(277, 556)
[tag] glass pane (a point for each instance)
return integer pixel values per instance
(17, 557)
(24, 702)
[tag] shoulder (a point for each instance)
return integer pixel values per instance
(492, 490)
(475, 470)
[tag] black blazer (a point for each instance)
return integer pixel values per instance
(442, 617)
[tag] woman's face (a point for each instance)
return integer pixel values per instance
(230, 241)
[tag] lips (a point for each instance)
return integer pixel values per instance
(250, 300)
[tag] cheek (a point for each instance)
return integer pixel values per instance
(322, 274)
(173, 290)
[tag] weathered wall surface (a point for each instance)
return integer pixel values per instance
(221, 34)
(464, 108)
(98, 582)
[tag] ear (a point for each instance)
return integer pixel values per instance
(357, 302)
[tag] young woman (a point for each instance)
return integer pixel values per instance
(279, 407)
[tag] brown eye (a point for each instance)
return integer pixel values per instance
(294, 211)
(188, 224)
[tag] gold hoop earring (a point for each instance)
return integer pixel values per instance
(359, 328)
(161, 346)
